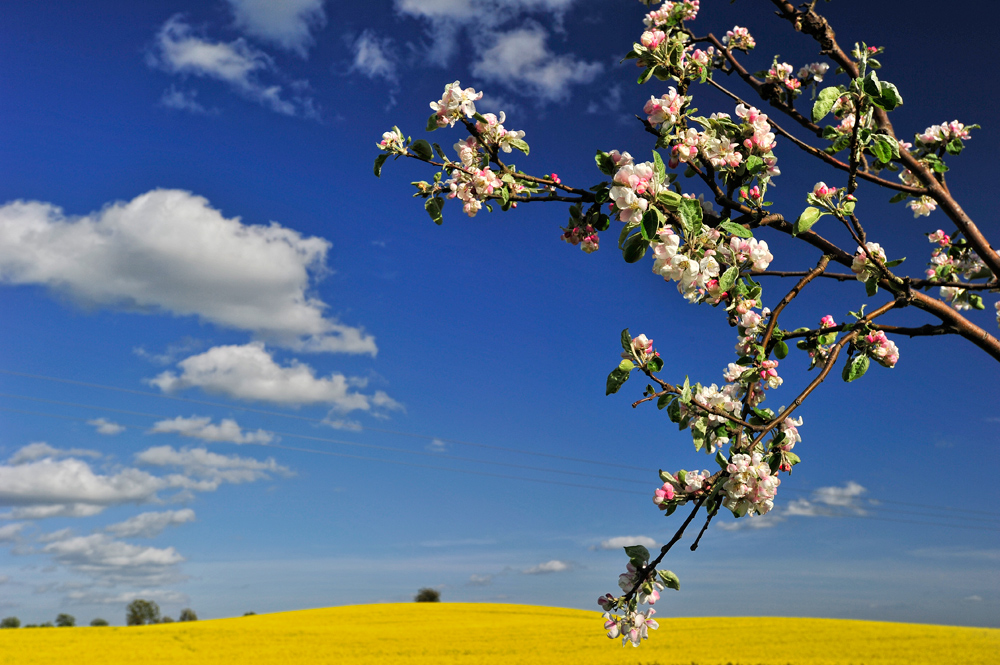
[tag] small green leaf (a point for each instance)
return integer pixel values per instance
(805, 221)
(604, 162)
(669, 580)
(691, 215)
(654, 364)
(520, 145)
(433, 207)
(855, 368)
(976, 301)
(626, 365)
(825, 100)
(646, 75)
(650, 224)
(422, 149)
(634, 248)
(615, 380)
(738, 230)
(670, 199)
(658, 168)
(662, 403)
(792, 458)
(898, 198)
(432, 122)
(379, 161)
(637, 553)
(893, 264)
(686, 391)
(871, 286)
(626, 341)
(882, 151)
(721, 460)
(780, 350)
(754, 163)
(728, 279)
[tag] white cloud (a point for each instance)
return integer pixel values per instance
(480, 580)
(213, 467)
(40, 449)
(51, 487)
(184, 100)
(149, 525)
(554, 566)
(9, 532)
(437, 446)
(179, 50)
(170, 251)
(111, 561)
(974, 598)
(105, 426)
(374, 57)
(92, 597)
(521, 60)
(249, 372)
(446, 19)
(752, 522)
(227, 431)
(619, 542)
(286, 23)
(845, 496)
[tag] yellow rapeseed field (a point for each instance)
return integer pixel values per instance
(486, 634)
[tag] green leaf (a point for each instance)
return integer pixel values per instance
(670, 199)
(805, 221)
(976, 301)
(626, 365)
(738, 230)
(379, 161)
(890, 97)
(825, 100)
(617, 377)
(721, 460)
(520, 145)
(650, 224)
(674, 411)
(691, 215)
(646, 75)
(433, 207)
(754, 163)
(898, 198)
(855, 368)
(626, 341)
(634, 248)
(871, 286)
(954, 146)
(654, 364)
(780, 350)
(792, 458)
(602, 223)
(604, 162)
(669, 580)
(623, 236)
(658, 168)
(728, 279)
(432, 123)
(893, 264)
(686, 391)
(660, 404)
(637, 553)
(422, 149)
(882, 151)
(872, 86)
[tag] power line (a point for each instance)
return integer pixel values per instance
(488, 474)
(320, 421)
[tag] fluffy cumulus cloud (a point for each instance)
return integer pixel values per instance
(105, 426)
(521, 61)
(285, 23)
(109, 561)
(170, 251)
(830, 502)
(227, 431)
(374, 57)
(148, 525)
(212, 469)
(510, 44)
(35, 488)
(619, 542)
(178, 49)
(40, 450)
(248, 372)
(554, 566)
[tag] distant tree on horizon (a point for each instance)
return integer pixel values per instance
(10, 622)
(187, 614)
(428, 595)
(142, 612)
(99, 622)
(65, 621)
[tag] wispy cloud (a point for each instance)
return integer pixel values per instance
(227, 431)
(149, 525)
(553, 566)
(288, 24)
(179, 50)
(184, 100)
(105, 426)
(374, 57)
(618, 542)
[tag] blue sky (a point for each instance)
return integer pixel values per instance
(282, 386)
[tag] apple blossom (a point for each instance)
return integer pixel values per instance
(739, 38)
(861, 267)
(455, 104)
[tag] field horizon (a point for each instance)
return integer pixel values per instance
(500, 633)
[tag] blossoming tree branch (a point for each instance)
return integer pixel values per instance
(714, 255)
